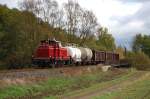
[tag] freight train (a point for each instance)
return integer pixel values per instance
(52, 53)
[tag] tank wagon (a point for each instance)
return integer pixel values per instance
(52, 53)
(86, 55)
(74, 53)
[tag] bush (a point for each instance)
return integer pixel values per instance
(139, 60)
(2, 65)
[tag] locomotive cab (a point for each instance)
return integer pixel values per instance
(54, 43)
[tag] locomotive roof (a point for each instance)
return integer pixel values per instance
(53, 40)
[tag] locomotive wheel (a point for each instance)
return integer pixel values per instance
(53, 65)
(67, 62)
(78, 63)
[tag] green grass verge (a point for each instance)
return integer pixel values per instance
(61, 85)
(53, 86)
(102, 85)
(138, 90)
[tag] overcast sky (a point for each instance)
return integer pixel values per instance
(124, 18)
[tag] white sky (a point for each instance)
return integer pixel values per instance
(103, 9)
(108, 13)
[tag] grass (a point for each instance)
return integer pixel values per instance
(53, 86)
(102, 85)
(59, 86)
(137, 90)
(13, 91)
(50, 97)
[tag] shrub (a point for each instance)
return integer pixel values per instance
(139, 60)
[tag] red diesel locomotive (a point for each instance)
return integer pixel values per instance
(52, 53)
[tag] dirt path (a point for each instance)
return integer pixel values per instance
(118, 86)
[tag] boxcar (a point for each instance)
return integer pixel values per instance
(98, 56)
(112, 58)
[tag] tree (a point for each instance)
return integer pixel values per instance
(20, 33)
(105, 39)
(88, 25)
(72, 12)
(142, 43)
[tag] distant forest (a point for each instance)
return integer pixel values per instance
(22, 29)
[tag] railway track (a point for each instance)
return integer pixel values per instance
(23, 76)
(31, 76)
(33, 73)
(46, 72)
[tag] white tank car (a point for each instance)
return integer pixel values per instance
(89, 54)
(83, 53)
(75, 53)
(86, 54)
